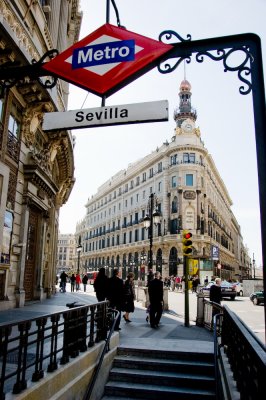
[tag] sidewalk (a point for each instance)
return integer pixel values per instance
(171, 333)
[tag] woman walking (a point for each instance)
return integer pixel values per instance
(129, 296)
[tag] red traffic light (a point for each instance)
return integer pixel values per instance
(187, 235)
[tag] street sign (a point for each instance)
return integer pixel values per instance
(154, 111)
(107, 59)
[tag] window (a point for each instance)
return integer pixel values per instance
(189, 158)
(137, 198)
(126, 187)
(151, 173)
(1, 108)
(125, 238)
(173, 159)
(143, 194)
(185, 158)
(174, 205)
(144, 177)
(159, 186)
(137, 181)
(189, 180)
(13, 125)
(192, 158)
(131, 184)
(125, 203)
(136, 235)
(131, 200)
(173, 181)
(160, 167)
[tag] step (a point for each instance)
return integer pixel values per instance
(165, 378)
(162, 364)
(167, 354)
(140, 391)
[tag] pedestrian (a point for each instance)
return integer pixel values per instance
(85, 281)
(216, 291)
(63, 278)
(129, 296)
(155, 290)
(78, 282)
(101, 285)
(195, 283)
(150, 276)
(72, 282)
(115, 295)
(206, 281)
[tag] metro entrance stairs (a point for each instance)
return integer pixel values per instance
(157, 374)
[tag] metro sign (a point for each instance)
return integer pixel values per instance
(107, 59)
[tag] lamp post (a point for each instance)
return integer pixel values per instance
(79, 248)
(153, 217)
(142, 265)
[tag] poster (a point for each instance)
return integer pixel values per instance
(7, 233)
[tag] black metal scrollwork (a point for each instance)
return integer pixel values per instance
(50, 82)
(12, 72)
(242, 68)
(166, 36)
(182, 52)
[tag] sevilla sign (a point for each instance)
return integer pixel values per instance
(107, 59)
(154, 111)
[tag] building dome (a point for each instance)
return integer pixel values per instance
(185, 86)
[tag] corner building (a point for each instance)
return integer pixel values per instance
(190, 195)
(36, 167)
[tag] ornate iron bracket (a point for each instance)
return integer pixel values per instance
(184, 50)
(12, 73)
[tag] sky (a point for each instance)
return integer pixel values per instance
(225, 117)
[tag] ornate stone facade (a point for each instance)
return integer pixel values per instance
(36, 168)
(190, 195)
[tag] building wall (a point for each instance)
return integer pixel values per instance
(36, 168)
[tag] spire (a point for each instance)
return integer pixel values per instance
(185, 110)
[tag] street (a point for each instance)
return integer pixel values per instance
(252, 316)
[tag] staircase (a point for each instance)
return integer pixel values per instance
(155, 374)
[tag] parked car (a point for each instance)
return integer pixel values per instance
(228, 289)
(239, 289)
(257, 297)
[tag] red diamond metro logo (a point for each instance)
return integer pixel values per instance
(107, 59)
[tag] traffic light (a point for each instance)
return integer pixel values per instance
(187, 243)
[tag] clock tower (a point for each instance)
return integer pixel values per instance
(185, 115)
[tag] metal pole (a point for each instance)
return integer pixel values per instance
(254, 271)
(107, 11)
(78, 262)
(186, 292)
(151, 229)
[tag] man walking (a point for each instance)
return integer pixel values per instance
(116, 295)
(155, 290)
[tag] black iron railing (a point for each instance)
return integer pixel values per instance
(28, 348)
(245, 352)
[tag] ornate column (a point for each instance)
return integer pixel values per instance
(20, 292)
(198, 209)
(54, 18)
(180, 208)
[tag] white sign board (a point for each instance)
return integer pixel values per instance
(154, 111)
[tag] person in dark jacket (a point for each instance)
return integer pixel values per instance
(129, 296)
(101, 285)
(155, 290)
(116, 295)
(216, 291)
(85, 281)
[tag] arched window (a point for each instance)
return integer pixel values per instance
(175, 205)
(173, 261)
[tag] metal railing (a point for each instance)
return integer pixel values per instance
(245, 352)
(29, 347)
(114, 314)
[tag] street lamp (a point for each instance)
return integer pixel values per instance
(153, 217)
(142, 265)
(79, 248)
